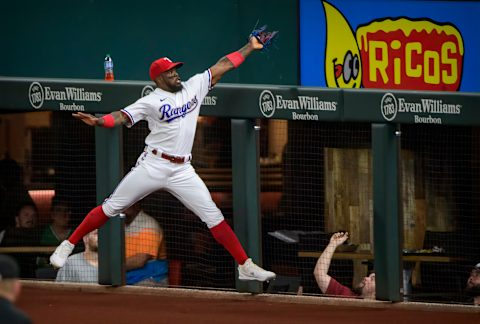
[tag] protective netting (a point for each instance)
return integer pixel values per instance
(315, 180)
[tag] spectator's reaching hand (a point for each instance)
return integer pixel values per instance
(338, 238)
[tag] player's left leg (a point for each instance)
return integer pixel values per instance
(187, 186)
(134, 186)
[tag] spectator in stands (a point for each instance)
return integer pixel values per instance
(12, 191)
(145, 249)
(25, 232)
(473, 285)
(82, 267)
(10, 288)
(27, 216)
(59, 230)
(330, 286)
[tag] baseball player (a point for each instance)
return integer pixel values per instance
(171, 112)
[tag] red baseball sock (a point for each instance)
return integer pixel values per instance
(225, 236)
(94, 219)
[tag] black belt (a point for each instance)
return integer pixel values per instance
(171, 158)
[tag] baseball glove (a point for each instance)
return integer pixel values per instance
(264, 36)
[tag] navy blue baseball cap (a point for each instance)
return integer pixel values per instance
(8, 267)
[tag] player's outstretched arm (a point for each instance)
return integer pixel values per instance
(234, 59)
(111, 120)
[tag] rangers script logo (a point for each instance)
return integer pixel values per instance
(167, 113)
(267, 104)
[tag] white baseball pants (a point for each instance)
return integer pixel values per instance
(153, 173)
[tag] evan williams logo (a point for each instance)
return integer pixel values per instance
(146, 90)
(422, 110)
(38, 94)
(35, 95)
(266, 102)
(209, 101)
(389, 106)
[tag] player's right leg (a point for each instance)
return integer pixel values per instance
(193, 193)
(133, 187)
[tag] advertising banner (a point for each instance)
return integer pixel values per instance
(398, 44)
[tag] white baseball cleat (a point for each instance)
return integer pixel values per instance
(250, 271)
(59, 257)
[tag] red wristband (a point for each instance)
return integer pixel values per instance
(236, 58)
(108, 121)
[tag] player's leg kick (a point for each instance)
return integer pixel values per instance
(187, 186)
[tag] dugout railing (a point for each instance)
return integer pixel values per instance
(385, 110)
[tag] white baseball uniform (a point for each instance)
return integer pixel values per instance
(172, 121)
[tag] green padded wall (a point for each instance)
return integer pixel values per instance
(69, 39)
